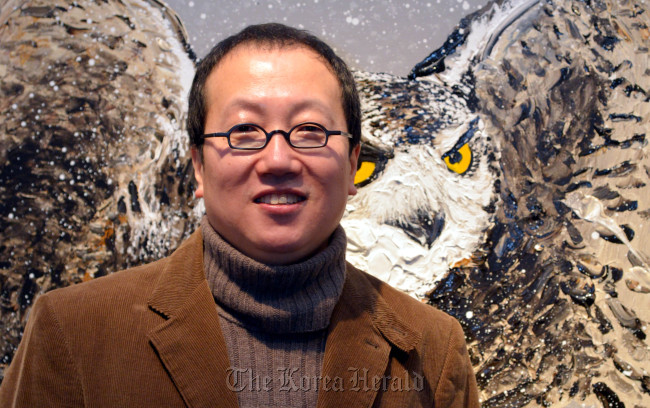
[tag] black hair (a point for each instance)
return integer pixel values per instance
(279, 35)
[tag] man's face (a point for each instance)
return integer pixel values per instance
(276, 89)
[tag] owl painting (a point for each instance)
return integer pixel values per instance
(505, 180)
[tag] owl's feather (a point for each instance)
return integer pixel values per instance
(94, 170)
(557, 307)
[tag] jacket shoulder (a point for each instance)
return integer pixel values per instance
(433, 341)
(136, 282)
(419, 315)
(133, 285)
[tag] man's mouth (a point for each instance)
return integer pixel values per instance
(279, 199)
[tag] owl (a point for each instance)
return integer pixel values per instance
(426, 181)
(554, 293)
(506, 182)
(94, 160)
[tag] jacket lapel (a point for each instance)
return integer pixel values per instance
(363, 331)
(189, 342)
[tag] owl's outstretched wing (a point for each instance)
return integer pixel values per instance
(556, 301)
(94, 169)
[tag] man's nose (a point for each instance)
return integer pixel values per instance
(278, 157)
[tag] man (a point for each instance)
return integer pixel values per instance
(258, 307)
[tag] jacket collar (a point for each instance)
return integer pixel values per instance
(180, 275)
(189, 342)
(363, 331)
(369, 295)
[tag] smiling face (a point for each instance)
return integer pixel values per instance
(278, 205)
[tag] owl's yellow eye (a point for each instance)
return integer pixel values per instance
(364, 172)
(459, 160)
(372, 161)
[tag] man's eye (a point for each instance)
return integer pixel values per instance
(244, 129)
(309, 131)
(309, 128)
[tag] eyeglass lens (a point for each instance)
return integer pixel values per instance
(251, 137)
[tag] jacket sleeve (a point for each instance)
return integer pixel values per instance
(42, 373)
(457, 385)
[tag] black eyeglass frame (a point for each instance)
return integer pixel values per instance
(286, 135)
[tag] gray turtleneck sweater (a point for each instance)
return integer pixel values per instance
(274, 319)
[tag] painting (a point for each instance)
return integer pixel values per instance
(504, 180)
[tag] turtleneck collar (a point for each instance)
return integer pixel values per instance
(293, 298)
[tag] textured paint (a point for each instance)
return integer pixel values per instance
(561, 90)
(539, 248)
(94, 171)
(417, 218)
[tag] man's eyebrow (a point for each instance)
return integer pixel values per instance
(240, 104)
(314, 104)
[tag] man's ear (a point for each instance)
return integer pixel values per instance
(354, 159)
(197, 162)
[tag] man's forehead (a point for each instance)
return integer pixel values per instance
(251, 75)
(261, 48)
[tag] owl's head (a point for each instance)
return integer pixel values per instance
(426, 189)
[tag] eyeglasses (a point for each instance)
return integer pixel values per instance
(248, 136)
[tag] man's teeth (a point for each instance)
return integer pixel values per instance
(279, 199)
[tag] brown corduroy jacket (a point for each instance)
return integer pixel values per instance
(150, 337)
